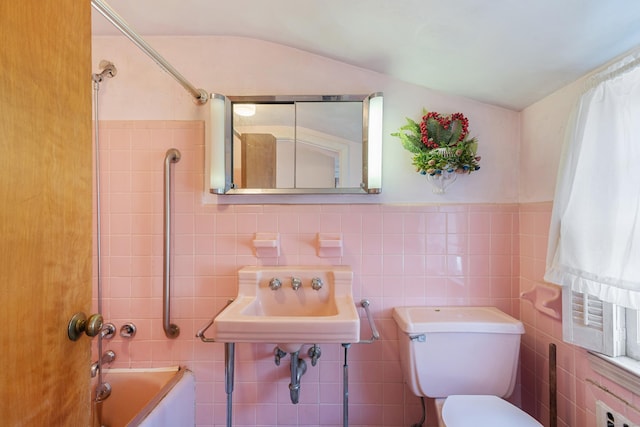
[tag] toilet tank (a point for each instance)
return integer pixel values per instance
(446, 351)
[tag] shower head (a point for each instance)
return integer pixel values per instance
(108, 70)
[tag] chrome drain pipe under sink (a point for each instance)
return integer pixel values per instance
(298, 368)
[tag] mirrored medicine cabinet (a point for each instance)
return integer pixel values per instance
(300, 144)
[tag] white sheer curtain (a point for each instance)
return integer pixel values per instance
(594, 238)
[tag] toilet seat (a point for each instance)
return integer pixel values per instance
(484, 411)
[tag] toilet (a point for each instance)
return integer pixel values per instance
(467, 359)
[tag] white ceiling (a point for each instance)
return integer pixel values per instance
(509, 53)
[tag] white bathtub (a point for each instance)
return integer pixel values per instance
(158, 397)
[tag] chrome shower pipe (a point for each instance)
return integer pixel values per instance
(200, 95)
(109, 70)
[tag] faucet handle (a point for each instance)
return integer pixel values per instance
(128, 330)
(316, 283)
(275, 284)
(108, 331)
(296, 282)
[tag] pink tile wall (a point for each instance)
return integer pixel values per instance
(401, 255)
(578, 386)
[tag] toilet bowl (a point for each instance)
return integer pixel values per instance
(484, 411)
(466, 357)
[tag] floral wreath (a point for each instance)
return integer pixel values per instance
(439, 144)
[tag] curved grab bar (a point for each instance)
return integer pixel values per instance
(170, 330)
(375, 334)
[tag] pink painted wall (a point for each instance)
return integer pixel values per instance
(456, 254)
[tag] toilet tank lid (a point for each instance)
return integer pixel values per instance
(422, 319)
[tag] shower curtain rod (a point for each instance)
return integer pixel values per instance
(200, 95)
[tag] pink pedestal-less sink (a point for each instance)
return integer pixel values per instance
(291, 306)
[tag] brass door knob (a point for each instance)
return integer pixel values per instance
(79, 324)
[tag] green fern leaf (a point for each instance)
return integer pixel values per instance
(456, 131)
(433, 129)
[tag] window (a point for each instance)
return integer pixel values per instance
(593, 324)
(632, 338)
(608, 330)
(594, 238)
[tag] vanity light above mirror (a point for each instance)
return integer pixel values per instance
(299, 144)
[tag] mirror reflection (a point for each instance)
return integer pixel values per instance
(298, 144)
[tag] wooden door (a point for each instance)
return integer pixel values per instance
(45, 210)
(258, 160)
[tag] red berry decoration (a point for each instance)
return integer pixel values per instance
(440, 144)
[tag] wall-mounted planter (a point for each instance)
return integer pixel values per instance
(546, 298)
(441, 146)
(442, 181)
(267, 245)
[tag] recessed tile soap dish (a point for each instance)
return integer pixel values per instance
(267, 245)
(329, 245)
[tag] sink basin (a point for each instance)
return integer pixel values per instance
(291, 317)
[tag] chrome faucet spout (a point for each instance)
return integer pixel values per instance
(107, 357)
(94, 369)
